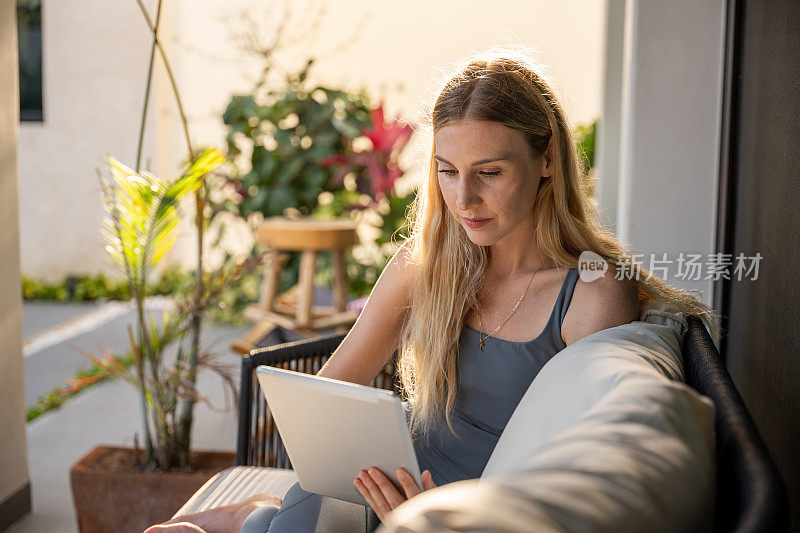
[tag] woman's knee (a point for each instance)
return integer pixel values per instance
(299, 511)
(259, 519)
(295, 496)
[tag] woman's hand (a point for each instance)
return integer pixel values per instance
(380, 492)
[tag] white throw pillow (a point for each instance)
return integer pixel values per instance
(582, 373)
(606, 438)
(639, 460)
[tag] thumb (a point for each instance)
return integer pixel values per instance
(427, 481)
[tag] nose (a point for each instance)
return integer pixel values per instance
(467, 194)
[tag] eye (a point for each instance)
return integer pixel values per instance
(447, 171)
(489, 174)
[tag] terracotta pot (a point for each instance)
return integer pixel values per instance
(111, 494)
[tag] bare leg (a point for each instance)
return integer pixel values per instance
(223, 519)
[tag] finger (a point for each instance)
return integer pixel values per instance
(387, 488)
(408, 483)
(375, 491)
(367, 496)
(427, 481)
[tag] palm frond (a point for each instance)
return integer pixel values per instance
(163, 218)
(109, 363)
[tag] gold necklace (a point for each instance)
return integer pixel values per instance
(509, 315)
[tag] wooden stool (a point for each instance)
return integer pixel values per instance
(293, 309)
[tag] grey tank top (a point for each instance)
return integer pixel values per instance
(491, 384)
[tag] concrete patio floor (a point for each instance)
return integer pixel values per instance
(106, 413)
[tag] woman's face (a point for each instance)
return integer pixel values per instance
(488, 179)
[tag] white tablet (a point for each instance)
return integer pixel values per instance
(332, 429)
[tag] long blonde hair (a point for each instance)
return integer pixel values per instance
(501, 88)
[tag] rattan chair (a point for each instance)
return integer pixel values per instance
(750, 496)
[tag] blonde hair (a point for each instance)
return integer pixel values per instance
(499, 86)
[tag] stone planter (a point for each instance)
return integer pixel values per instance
(111, 494)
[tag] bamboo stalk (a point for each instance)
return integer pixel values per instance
(170, 75)
(147, 89)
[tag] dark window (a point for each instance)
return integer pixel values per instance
(29, 31)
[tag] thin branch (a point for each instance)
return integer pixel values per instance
(147, 89)
(170, 75)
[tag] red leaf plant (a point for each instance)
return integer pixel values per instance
(376, 169)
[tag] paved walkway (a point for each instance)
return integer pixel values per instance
(53, 352)
(107, 413)
(41, 316)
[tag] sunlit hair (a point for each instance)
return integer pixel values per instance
(502, 86)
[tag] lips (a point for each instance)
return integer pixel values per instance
(476, 222)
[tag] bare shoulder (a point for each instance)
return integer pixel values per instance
(600, 304)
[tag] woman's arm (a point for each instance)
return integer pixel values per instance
(376, 334)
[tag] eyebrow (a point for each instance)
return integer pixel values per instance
(476, 163)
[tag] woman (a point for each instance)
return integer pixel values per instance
(484, 291)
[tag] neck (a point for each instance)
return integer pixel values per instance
(516, 254)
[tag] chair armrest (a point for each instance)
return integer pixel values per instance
(321, 347)
(751, 495)
(239, 483)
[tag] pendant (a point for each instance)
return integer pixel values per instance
(481, 344)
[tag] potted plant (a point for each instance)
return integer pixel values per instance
(127, 489)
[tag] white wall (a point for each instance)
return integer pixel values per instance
(95, 64)
(14, 457)
(607, 148)
(668, 146)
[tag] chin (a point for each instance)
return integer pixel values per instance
(479, 238)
